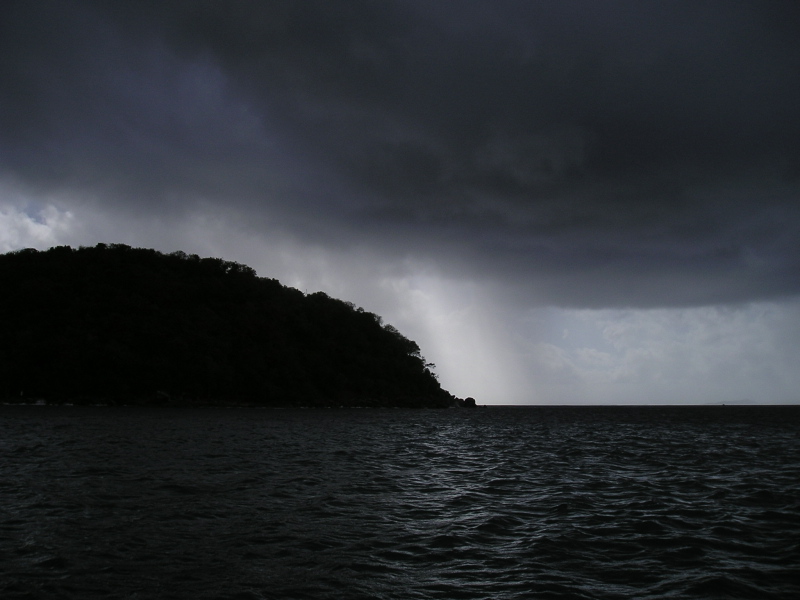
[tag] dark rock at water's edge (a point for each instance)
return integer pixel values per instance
(463, 403)
(112, 324)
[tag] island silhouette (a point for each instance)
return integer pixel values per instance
(112, 324)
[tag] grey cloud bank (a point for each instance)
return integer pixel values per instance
(622, 156)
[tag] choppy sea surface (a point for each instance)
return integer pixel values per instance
(494, 503)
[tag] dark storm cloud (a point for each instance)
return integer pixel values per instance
(583, 153)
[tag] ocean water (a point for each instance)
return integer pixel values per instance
(493, 503)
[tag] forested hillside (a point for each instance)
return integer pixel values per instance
(125, 325)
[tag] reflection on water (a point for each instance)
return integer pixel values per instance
(496, 503)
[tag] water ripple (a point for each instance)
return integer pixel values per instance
(502, 503)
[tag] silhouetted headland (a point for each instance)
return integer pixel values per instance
(120, 325)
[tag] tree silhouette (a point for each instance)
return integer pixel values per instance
(112, 323)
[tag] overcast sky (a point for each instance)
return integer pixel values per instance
(565, 201)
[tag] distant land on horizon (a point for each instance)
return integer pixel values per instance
(120, 325)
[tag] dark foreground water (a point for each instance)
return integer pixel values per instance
(489, 503)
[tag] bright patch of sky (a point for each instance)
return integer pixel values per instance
(482, 346)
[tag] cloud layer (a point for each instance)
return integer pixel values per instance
(568, 155)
